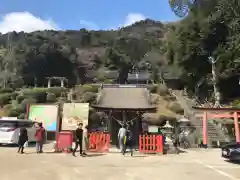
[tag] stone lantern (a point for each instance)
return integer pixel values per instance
(167, 130)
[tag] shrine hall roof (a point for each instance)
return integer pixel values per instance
(124, 97)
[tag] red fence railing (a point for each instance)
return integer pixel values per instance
(150, 144)
(99, 142)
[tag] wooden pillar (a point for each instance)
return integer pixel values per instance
(124, 117)
(110, 124)
(204, 128)
(237, 135)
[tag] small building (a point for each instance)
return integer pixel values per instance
(124, 104)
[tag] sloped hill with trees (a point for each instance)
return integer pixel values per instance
(182, 49)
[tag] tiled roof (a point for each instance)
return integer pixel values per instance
(124, 98)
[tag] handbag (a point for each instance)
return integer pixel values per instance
(26, 144)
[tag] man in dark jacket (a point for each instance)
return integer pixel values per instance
(40, 137)
(78, 139)
(128, 142)
(22, 139)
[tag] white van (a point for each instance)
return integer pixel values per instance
(9, 130)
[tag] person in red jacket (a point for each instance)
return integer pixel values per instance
(40, 137)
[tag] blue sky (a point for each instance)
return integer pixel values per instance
(76, 14)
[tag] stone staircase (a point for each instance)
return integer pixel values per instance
(214, 133)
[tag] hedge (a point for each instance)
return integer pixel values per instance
(58, 91)
(89, 97)
(6, 90)
(175, 107)
(25, 102)
(5, 98)
(153, 88)
(51, 98)
(162, 90)
(90, 88)
(40, 94)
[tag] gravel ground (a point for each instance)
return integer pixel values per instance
(194, 164)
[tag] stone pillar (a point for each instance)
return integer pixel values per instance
(62, 83)
(49, 83)
(204, 128)
(236, 125)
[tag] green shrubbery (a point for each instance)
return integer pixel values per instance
(153, 88)
(15, 103)
(51, 98)
(162, 90)
(6, 90)
(5, 98)
(235, 103)
(175, 107)
(89, 97)
(40, 94)
(57, 91)
(90, 88)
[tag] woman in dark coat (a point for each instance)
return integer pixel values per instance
(23, 138)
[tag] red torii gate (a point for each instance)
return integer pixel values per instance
(207, 113)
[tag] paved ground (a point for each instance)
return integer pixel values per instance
(196, 164)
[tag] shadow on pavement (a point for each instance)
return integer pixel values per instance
(8, 145)
(233, 161)
(95, 154)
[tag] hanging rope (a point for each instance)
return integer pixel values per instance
(121, 122)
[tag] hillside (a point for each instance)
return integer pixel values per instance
(201, 50)
(30, 57)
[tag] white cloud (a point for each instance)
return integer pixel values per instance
(25, 21)
(89, 25)
(132, 18)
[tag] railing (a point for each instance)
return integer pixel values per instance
(150, 143)
(99, 142)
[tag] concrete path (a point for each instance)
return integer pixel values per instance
(197, 165)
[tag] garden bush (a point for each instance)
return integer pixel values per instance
(169, 98)
(21, 116)
(62, 100)
(58, 91)
(5, 99)
(20, 98)
(235, 103)
(26, 102)
(7, 107)
(175, 107)
(15, 112)
(40, 94)
(6, 90)
(162, 90)
(51, 98)
(154, 98)
(89, 97)
(153, 88)
(90, 88)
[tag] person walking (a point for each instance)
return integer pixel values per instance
(128, 142)
(22, 139)
(40, 136)
(85, 141)
(176, 143)
(78, 139)
(121, 135)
